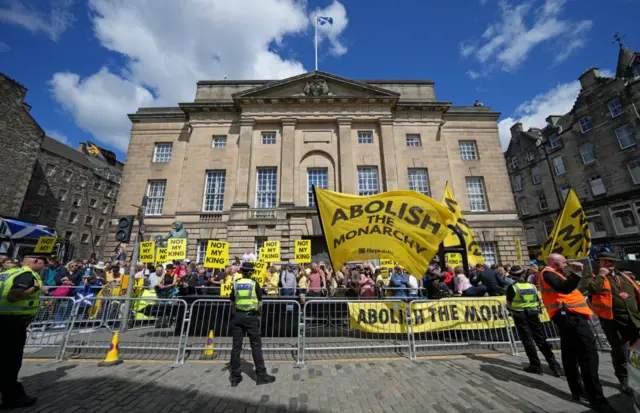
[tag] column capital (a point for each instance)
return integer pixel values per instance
(344, 121)
(247, 122)
(385, 121)
(288, 121)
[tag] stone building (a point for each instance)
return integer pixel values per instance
(74, 194)
(592, 149)
(238, 163)
(20, 138)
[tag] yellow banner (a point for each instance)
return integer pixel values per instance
(45, 245)
(217, 254)
(441, 315)
(177, 249)
(404, 225)
(225, 289)
(474, 254)
(387, 263)
(570, 236)
(303, 251)
(161, 256)
(270, 252)
(147, 252)
(518, 252)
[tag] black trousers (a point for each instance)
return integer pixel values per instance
(532, 334)
(620, 337)
(578, 346)
(246, 322)
(14, 336)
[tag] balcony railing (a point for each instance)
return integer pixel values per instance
(211, 217)
(262, 213)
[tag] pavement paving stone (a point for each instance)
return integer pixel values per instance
(464, 384)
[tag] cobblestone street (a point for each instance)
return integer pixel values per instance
(463, 384)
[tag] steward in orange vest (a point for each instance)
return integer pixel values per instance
(615, 297)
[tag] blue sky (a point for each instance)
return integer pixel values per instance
(89, 63)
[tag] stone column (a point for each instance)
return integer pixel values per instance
(241, 199)
(287, 160)
(387, 146)
(347, 179)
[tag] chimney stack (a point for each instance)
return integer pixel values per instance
(588, 78)
(516, 128)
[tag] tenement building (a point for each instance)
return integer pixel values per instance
(238, 163)
(75, 194)
(592, 149)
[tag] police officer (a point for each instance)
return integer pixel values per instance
(247, 298)
(19, 292)
(522, 299)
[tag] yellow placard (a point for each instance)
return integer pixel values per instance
(177, 249)
(260, 267)
(404, 225)
(225, 289)
(260, 252)
(147, 252)
(45, 245)
(474, 254)
(303, 251)
(261, 279)
(441, 315)
(270, 252)
(217, 255)
(518, 252)
(571, 236)
(161, 256)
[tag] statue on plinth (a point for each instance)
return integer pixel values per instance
(178, 231)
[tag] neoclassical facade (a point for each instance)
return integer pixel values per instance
(237, 164)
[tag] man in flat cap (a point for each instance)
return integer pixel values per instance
(19, 302)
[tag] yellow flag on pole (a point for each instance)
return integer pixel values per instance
(402, 225)
(570, 236)
(474, 254)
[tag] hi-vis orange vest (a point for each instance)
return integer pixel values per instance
(603, 303)
(553, 300)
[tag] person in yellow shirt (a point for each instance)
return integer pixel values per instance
(303, 279)
(273, 282)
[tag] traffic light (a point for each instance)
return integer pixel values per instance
(125, 226)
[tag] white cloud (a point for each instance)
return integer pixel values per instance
(507, 43)
(59, 137)
(4, 47)
(332, 32)
(52, 22)
(473, 74)
(167, 49)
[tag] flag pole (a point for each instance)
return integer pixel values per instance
(316, 42)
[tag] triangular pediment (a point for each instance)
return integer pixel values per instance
(316, 85)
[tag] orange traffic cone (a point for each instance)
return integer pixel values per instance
(112, 358)
(209, 346)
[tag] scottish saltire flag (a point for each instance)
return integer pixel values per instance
(322, 20)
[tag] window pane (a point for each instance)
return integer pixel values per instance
(554, 141)
(468, 151)
(586, 151)
(367, 180)
(414, 140)
(558, 165)
(531, 235)
(623, 219)
(634, 170)
(316, 177)
(535, 175)
(625, 136)
(596, 225)
(219, 142)
(475, 192)
(365, 137)
(268, 138)
(202, 250)
(517, 182)
(542, 201)
(548, 227)
(162, 152)
(515, 162)
(524, 206)
(489, 253)
(214, 191)
(564, 189)
(155, 194)
(267, 185)
(585, 124)
(597, 186)
(419, 181)
(615, 108)
(42, 190)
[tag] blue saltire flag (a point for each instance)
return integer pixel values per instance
(322, 20)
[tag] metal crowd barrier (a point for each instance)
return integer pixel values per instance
(49, 327)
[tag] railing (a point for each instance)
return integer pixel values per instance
(211, 217)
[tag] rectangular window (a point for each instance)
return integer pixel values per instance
(524, 206)
(43, 189)
(48, 169)
(55, 214)
(266, 187)
(515, 162)
(615, 108)
(542, 201)
(35, 210)
(624, 220)
(488, 250)
(83, 182)
(535, 175)
(112, 193)
(564, 190)
(558, 165)
(214, 191)
(531, 235)
(625, 136)
(66, 175)
(155, 194)
(97, 240)
(93, 203)
(548, 227)
(476, 194)
(554, 141)
(62, 194)
(585, 124)
(367, 180)
(634, 170)
(85, 239)
(162, 152)
(105, 207)
(587, 154)
(316, 177)
(88, 220)
(101, 223)
(219, 142)
(468, 151)
(517, 182)
(413, 140)
(77, 200)
(597, 186)
(68, 235)
(529, 154)
(596, 224)
(73, 217)
(97, 185)
(419, 180)
(365, 137)
(268, 138)
(202, 250)
(259, 243)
